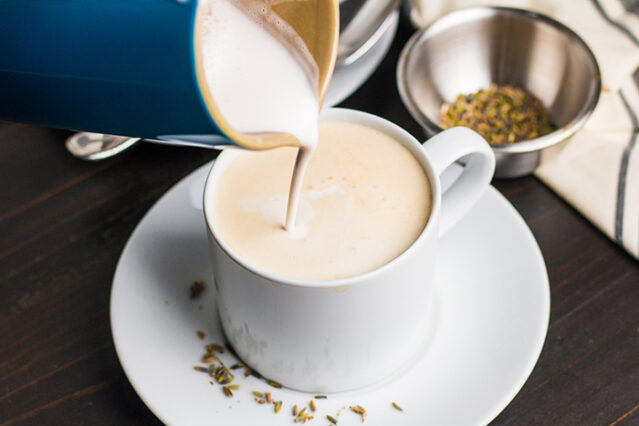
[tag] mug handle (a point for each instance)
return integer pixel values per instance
(446, 148)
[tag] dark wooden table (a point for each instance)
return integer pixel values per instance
(63, 223)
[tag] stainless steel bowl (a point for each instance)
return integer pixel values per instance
(474, 48)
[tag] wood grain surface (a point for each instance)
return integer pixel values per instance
(64, 222)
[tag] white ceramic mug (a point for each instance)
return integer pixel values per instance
(330, 336)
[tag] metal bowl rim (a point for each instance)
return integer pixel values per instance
(459, 16)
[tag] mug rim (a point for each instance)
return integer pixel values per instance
(350, 116)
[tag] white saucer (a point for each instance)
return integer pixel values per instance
(347, 79)
(492, 320)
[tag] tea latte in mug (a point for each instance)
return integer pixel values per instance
(365, 199)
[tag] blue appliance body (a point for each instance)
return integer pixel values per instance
(124, 67)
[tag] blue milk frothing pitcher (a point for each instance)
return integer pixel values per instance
(124, 67)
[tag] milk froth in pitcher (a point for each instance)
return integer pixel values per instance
(270, 96)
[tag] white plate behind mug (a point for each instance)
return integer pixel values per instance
(492, 319)
(347, 79)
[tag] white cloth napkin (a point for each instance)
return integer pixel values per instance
(597, 171)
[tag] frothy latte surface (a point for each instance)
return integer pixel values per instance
(365, 199)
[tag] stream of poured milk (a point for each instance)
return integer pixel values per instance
(262, 79)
